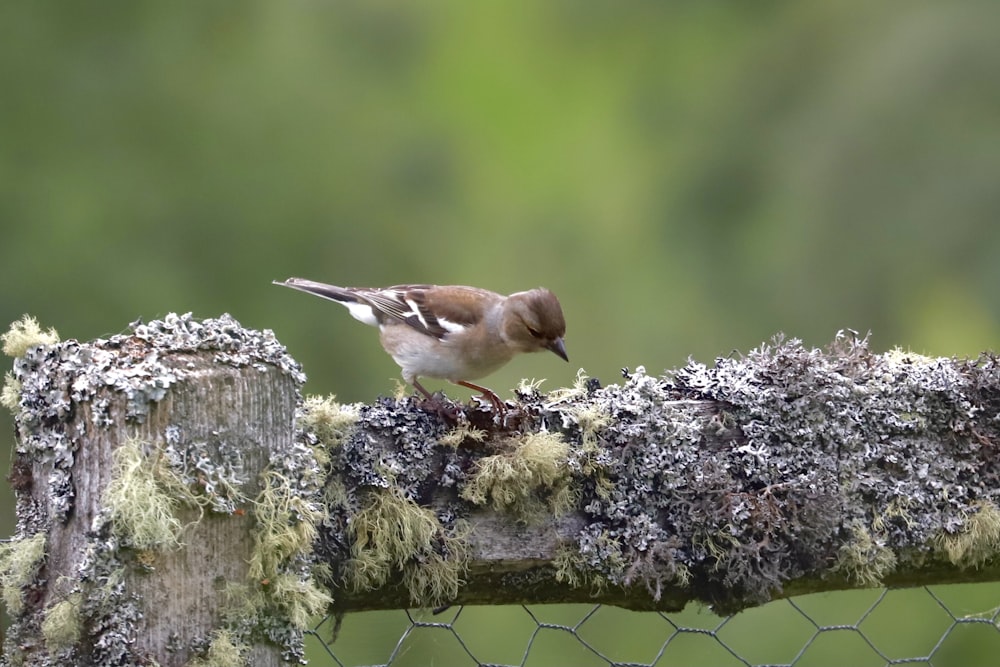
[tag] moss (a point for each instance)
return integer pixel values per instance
(61, 625)
(393, 533)
(331, 422)
(225, 650)
(19, 560)
(143, 514)
(25, 334)
(978, 542)
(863, 560)
(525, 478)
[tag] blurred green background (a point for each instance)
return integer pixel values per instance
(689, 177)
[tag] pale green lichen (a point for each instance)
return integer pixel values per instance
(225, 650)
(978, 542)
(286, 525)
(143, 513)
(25, 334)
(863, 560)
(19, 561)
(572, 569)
(393, 533)
(524, 480)
(568, 394)
(331, 422)
(62, 625)
(286, 529)
(463, 432)
(10, 395)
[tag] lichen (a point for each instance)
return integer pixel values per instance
(462, 433)
(54, 383)
(979, 539)
(224, 650)
(143, 515)
(331, 422)
(286, 529)
(10, 395)
(527, 479)
(863, 560)
(391, 533)
(62, 625)
(19, 560)
(25, 334)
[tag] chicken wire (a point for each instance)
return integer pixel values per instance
(941, 626)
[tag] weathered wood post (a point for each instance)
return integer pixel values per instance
(149, 482)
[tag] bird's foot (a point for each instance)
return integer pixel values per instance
(444, 407)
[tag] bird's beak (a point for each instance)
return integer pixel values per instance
(558, 347)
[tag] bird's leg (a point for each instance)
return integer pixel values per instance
(419, 387)
(487, 393)
(441, 404)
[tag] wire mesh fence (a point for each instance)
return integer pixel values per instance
(942, 626)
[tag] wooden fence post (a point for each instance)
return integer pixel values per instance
(141, 462)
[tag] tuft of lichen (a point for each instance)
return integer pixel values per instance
(19, 560)
(530, 476)
(331, 422)
(62, 624)
(863, 560)
(286, 528)
(391, 533)
(225, 650)
(286, 525)
(462, 433)
(10, 395)
(25, 334)
(571, 567)
(143, 514)
(979, 539)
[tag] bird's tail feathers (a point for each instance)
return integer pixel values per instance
(331, 292)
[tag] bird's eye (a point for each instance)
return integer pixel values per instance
(534, 334)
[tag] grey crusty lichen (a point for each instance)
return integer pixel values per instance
(791, 463)
(719, 483)
(62, 394)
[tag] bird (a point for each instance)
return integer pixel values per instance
(451, 332)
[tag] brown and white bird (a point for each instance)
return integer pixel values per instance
(451, 332)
